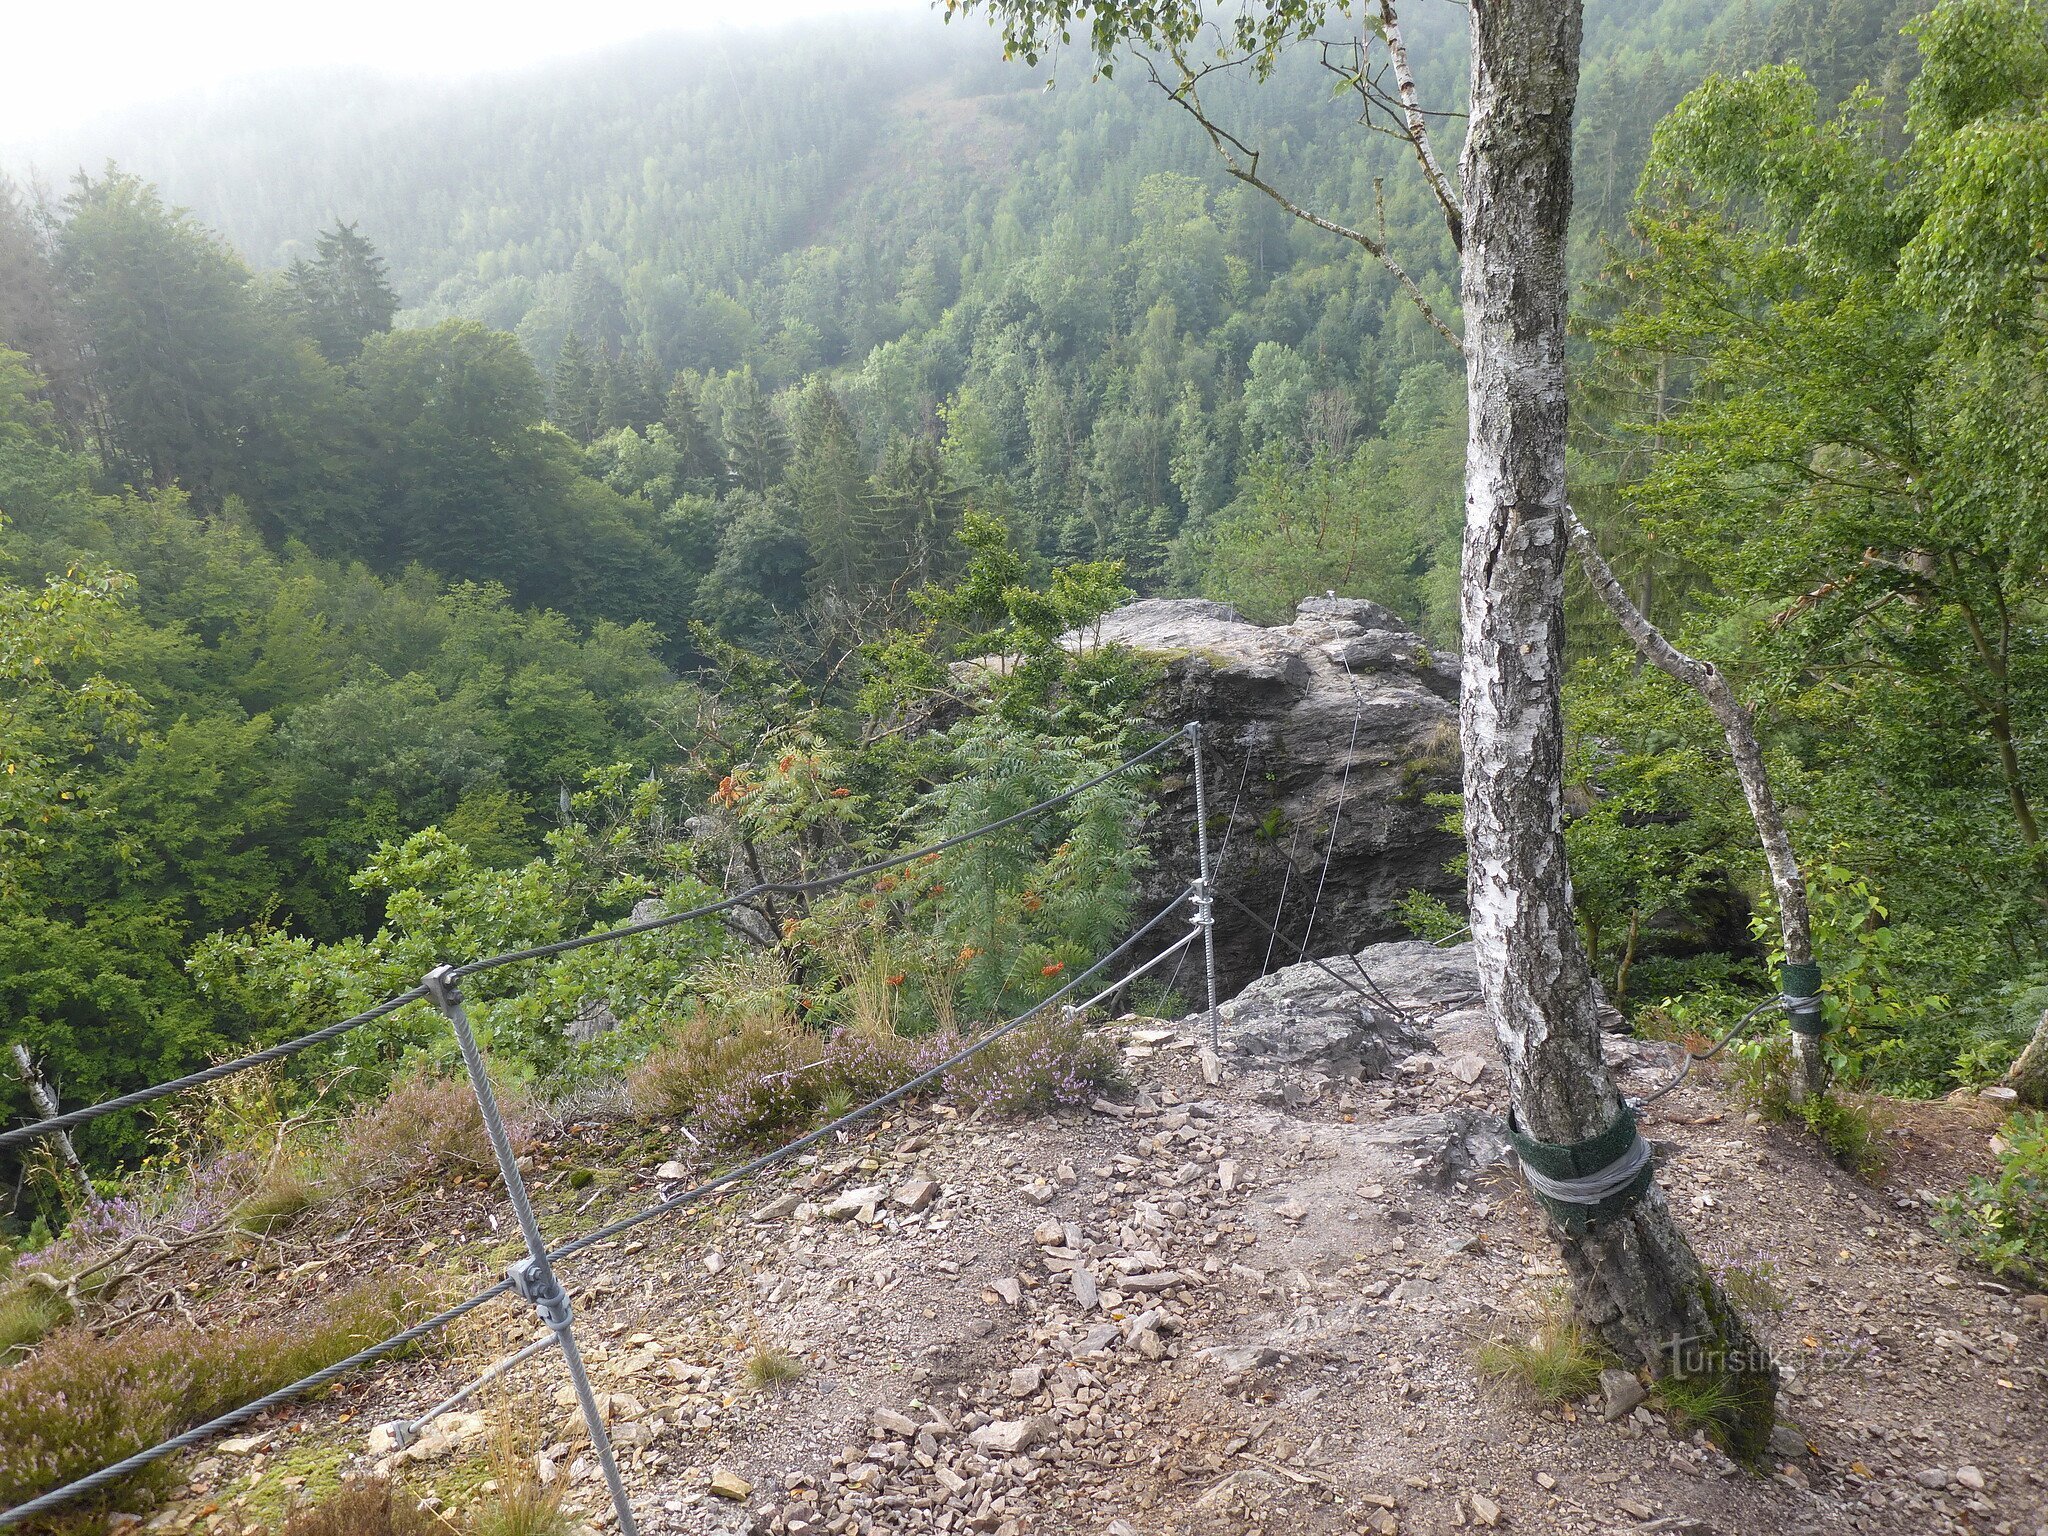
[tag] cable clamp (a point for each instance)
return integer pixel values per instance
(403, 1432)
(443, 986)
(539, 1286)
(1205, 904)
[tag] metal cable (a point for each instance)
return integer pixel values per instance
(290, 1048)
(1337, 816)
(65, 1122)
(199, 1433)
(1273, 928)
(1177, 947)
(1376, 996)
(852, 1117)
(202, 1432)
(1229, 827)
(1685, 1065)
(822, 883)
(464, 1393)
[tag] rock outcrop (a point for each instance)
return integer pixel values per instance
(1342, 719)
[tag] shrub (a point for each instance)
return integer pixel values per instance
(2001, 1222)
(736, 1079)
(756, 1078)
(369, 1506)
(1762, 1078)
(1428, 917)
(1043, 1065)
(82, 1401)
(424, 1125)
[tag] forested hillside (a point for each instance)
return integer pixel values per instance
(574, 631)
(1055, 288)
(464, 459)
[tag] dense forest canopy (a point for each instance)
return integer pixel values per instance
(419, 505)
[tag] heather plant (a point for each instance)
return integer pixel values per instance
(1047, 1064)
(81, 1401)
(364, 1506)
(751, 1078)
(734, 1077)
(426, 1124)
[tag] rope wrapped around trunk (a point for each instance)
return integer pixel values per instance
(1799, 986)
(1584, 1182)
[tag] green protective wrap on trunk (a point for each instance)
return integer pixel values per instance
(1802, 980)
(1581, 1159)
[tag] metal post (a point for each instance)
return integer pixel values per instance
(532, 1277)
(1205, 906)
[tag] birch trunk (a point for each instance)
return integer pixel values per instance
(44, 1103)
(1795, 924)
(1636, 1279)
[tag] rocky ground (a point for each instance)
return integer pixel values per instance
(1246, 1297)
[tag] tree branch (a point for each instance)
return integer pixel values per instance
(1795, 926)
(1242, 163)
(1418, 125)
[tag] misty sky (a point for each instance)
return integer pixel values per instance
(69, 63)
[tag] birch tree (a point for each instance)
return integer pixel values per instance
(1636, 1279)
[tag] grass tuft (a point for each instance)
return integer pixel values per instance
(27, 1313)
(770, 1367)
(277, 1202)
(520, 1506)
(1698, 1402)
(369, 1506)
(1557, 1363)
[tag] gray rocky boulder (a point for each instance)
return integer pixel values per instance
(1287, 708)
(1453, 1147)
(1305, 1019)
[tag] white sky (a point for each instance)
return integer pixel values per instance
(69, 61)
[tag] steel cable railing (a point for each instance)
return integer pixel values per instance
(72, 1118)
(739, 1174)
(532, 1278)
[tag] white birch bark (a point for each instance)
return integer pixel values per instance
(1636, 1279)
(44, 1103)
(1738, 726)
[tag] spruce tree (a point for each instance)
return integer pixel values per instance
(754, 444)
(703, 461)
(828, 477)
(575, 390)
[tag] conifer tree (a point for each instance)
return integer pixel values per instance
(828, 478)
(917, 507)
(703, 461)
(754, 444)
(575, 404)
(342, 297)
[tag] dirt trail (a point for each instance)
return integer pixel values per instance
(1239, 1305)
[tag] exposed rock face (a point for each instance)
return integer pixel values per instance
(1304, 1018)
(1286, 710)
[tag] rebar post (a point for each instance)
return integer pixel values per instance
(1205, 905)
(533, 1277)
